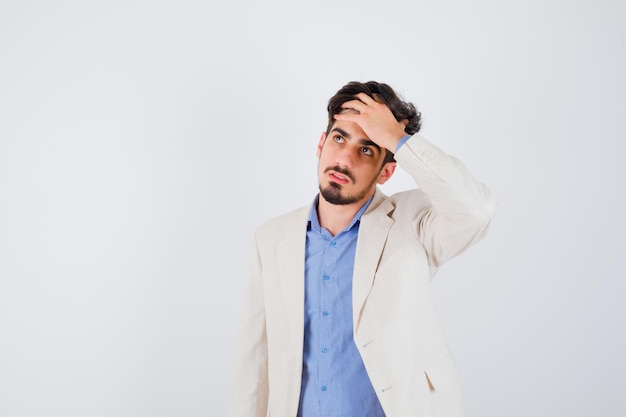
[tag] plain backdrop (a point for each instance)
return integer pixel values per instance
(142, 142)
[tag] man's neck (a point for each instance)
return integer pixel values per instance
(336, 217)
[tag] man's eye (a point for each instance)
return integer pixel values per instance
(367, 151)
(338, 139)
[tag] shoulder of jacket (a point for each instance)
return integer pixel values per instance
(408, 196)
(285, 222)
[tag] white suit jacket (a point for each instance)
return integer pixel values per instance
(402, 240)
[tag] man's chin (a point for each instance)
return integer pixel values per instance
(332, 194)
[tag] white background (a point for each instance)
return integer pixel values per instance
(141, 142)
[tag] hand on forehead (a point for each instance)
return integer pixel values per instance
(349, 110)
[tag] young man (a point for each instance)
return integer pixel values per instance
(338, 318)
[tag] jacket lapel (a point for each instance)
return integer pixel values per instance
(373, 232)
(290, 251)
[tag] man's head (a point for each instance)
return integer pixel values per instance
(351, 163)
(382, 93)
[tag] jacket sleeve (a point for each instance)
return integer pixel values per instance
(461, 207)
(249, 386)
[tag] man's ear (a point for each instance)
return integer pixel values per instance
(386, 172)
(320, 144)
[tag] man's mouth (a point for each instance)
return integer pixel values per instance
(341, 179)
(339, 175)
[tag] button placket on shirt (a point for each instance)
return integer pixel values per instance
(327, 287)
(331, 285)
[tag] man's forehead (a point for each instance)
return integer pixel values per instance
(350, 130)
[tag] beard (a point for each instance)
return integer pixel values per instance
(333, 194)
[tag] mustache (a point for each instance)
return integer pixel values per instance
(343, 171)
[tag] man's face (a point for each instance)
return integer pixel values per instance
(350, 165)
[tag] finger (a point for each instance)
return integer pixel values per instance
(367, 100)
(348, 115)
(364, 99)
(348, 110)
(355, 105)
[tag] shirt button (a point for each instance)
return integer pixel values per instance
(324, 350)
(325, 313)
(333, 243)
(324, 388)
(325, 277)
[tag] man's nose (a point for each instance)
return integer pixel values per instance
(346, 157)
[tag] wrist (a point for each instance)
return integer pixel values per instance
(401, 142)
(395, 140)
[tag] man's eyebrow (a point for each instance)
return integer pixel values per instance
(365, 142)
(368, 142)
(341, 132)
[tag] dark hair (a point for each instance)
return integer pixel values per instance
(380, 92)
